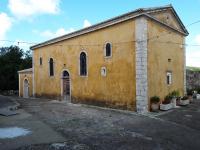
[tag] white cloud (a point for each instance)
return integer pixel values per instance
(28, 8)
(197, 39)
(86, 23)
(59, 32)
(22, 44)
(62, 31)
(50, 34)
(193, 56)
(192, 51)
(5, 25)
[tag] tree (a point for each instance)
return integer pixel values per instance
(12, 59)
(26, 61)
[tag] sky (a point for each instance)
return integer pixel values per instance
(27, 22)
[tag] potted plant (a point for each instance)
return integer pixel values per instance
(155, 103)
(178, 101)
(166, 104)
(184, 101)
(174, 95)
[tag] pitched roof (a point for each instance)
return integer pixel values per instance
(26, 70)
(127, 16)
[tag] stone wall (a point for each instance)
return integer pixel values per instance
(193, 79)
(141, 66)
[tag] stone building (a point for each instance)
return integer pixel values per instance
(118, 63)
(193, 79)
(25, 83)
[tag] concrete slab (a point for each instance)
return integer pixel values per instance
(40, 133)
(5, 101)
(6, 112)
(8, 103)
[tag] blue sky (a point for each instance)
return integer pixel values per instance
(35, 21)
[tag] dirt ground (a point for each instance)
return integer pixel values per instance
(93, 128)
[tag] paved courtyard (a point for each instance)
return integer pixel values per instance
(56, 124)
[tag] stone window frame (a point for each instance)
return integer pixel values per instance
(169, 78)
(103, 71)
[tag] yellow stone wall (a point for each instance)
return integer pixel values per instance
(117, 89)
(167, 17)
(22, 77)
(164, 45)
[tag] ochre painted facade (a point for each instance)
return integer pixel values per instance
(165, 52)
(110, 90)
(167, 17)
(25, 75)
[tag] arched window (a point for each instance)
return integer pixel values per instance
(108, 50)
(40, 61)
(51, 67)
(83, 64)
(65, 74)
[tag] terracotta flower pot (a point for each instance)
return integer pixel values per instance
(155, 107)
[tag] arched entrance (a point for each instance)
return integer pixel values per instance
(26, 89)
(66, 86)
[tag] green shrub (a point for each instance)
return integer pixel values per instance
(184, 98)
(174, 93)
(167, 99)
(155, 99)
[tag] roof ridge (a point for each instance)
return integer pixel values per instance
(136, 13)
(157, 7)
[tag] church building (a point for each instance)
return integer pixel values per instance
(118, 63)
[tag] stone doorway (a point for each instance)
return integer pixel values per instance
(26, 89)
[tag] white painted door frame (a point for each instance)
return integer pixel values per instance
(26, 88)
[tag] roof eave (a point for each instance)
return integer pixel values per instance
(181, 23)
(86, 30)
(113, 21)
(26, 70)
(175, 14)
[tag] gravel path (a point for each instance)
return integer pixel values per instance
(103, 129)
